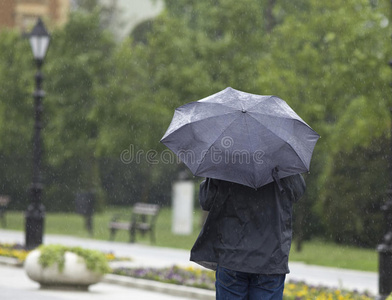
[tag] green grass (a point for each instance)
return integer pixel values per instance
(315, 252)
(73, 224)
(328, 254)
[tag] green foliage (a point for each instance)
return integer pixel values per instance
(55, 254)
(228, 40)
(78, 67)
(16, 114)
(352, 208)
(328, 60)
(335, 54)
(76, 72)
(108, 104)
(16, 77)
(181, 59)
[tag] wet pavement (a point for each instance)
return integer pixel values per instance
(15, 285)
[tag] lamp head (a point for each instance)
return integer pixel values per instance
(39, 41)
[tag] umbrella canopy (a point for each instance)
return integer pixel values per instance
(241, 137)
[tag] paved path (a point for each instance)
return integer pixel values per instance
(334, 277)
(15, 285)
(144, 255)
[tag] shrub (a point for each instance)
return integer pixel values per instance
(95, 260)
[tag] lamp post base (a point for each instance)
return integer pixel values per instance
(35, 216)
(385, 271)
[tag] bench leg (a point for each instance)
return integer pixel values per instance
(89, 224)
(132, 232)
(3, 221)
(112, 233)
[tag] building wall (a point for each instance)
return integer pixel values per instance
(7, 12)
(23, 14)
(132, 13)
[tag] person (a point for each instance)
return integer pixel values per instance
(246, 237)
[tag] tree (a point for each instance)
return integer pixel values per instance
(328, 62)
(16, 116)
(146, 86)
(356, 191)
(180, 58)
(78, 66)
(229, 39)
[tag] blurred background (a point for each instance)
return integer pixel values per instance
(116, 70)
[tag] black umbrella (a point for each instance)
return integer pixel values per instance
(241, 137)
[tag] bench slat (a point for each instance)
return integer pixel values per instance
(142, 219)
(145, 209)
(119, 225)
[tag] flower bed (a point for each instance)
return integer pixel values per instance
(201, 278)
(301, 291)
(183, 276)
(13, 251)
(205, 279)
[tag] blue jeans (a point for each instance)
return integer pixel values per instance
(247, 286)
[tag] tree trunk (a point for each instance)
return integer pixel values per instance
(269, 15)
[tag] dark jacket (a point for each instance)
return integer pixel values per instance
(247, 230)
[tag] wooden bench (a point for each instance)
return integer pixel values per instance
(142, 219)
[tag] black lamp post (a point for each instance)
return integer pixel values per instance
(35, 214)
(385, 249)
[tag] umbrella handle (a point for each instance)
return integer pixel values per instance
(275, 176)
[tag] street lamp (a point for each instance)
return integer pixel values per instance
(39, 40)
(385, 249)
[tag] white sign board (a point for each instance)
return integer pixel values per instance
(182, 197)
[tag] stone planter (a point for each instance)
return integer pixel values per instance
(74, 275)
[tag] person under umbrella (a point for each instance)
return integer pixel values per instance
(252, 150)
(246, 237)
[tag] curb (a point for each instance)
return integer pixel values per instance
(10, 261)
(150, 285)
(165, 288)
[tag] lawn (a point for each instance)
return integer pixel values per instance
(73, 224)
(315, 252)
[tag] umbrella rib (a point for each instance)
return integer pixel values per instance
(287, 118)
(302, 123)
(266, 114)
(258, 103)
(282, 140)
(300, 119)
(208, 118)
(208, 150)
(193, 122)
(253, 148)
